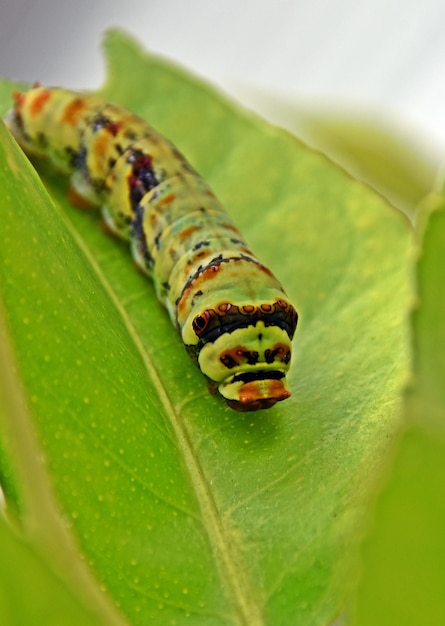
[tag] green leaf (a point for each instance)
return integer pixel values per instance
(377, 152)
(186, 511)
(404, 558)
(31, 593)
(374, 148)
(426, 401)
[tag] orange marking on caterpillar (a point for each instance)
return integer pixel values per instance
(73, 111)
(38, 102)
(167, 200)
(187, 232)
(19, 98)
(101, 146)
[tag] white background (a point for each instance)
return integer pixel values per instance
(384, 55)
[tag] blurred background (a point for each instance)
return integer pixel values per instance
(373, 64)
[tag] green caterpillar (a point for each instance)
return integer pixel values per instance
(231, 312)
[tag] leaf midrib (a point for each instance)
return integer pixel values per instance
(232, 572)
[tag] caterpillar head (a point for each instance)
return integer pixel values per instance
(245, 352)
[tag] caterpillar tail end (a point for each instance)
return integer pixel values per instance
(256, 395)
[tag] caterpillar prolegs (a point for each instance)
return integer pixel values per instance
(233, 315)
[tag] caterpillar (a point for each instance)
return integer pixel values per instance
(232, 314)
